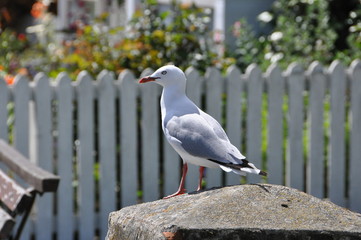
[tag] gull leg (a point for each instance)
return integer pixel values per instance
(201, 174)
(181, 189)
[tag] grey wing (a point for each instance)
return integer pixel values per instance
(198, 138)
(219, 131)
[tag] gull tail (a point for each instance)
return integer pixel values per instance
(241, 168)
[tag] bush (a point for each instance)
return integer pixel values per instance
(248, 47)
(180, 36)
(152, 39)
(91, 50)
(11, 45)
(303, 31)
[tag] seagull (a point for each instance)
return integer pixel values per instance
(196, 136)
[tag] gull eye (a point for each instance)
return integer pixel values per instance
(164, 72)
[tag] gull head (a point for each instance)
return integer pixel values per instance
(165, 76)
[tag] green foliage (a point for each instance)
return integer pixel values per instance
(248, 47)
(19, 55)
(92, 50)
(354, 38)
(152, 39)
(303, 31)
(11, 45)
(179, 36)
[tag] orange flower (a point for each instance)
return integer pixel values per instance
(6, 15)
(9, 79)
(185, 6)
(23, 71)
(37, 10)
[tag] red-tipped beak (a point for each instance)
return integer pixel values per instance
(148, 79)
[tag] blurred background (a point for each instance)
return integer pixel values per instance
(73, 35)
(100, 132)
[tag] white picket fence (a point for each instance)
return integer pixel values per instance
(103, 137)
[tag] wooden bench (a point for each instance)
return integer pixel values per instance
(16, 201)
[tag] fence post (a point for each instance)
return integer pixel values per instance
(64, 96)
(214, 90)
(150, 140)
(194, 90)
(315, 166)
(337, 178)
(21, 94)
(275, 90)
(4, 98)
(85, 155)
(294, 160)
(21, 111)
(107, 152)
(254, 124)
(42, 152)
(355, 137)
(129, 146)
(234, 92)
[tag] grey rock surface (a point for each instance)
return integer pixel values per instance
(261, 211)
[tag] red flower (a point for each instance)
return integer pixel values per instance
(22, 37)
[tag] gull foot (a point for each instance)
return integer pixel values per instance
(179, 192)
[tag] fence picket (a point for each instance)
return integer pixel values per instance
(171, 168)
(214, 90)
(294, 161)
(128, 138)
(85, 155)
(107, 141)
(194, 88)
(51, 119)
(42, 153)
(315, 166)
(21, 111)
(275, 90)
(337, 134)
(21, 96)
(4, 97)
(150, 140)
(355, 137)
(64, 152)
(254, 127)
(234, 93)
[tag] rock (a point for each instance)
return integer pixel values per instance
(260, 211)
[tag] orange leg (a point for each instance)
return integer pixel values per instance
(201, 174)
(181, 189)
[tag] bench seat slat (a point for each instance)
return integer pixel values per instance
(41, 180)
(6, 224)
(13, 195)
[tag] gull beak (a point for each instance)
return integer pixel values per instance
(148, 79)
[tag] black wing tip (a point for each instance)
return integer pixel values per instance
(262, 173)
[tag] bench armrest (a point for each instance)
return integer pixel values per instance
(41, 180)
